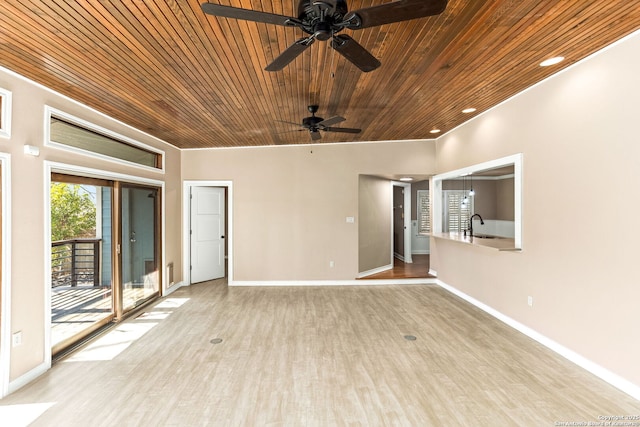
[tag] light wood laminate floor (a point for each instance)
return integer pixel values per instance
(310, 356)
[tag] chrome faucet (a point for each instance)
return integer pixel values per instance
(471, 223)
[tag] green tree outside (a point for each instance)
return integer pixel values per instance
(73, 212)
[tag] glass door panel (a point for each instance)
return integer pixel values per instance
(140, 256)
(81, 255)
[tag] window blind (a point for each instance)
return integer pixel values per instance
(424, 212)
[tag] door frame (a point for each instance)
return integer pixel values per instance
(216, 244)
(65, 168)
(407, 220)
(5, 279)
(186, 226)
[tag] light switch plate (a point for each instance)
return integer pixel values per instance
(16, 339)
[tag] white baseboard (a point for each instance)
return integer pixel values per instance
(44, 367)
(173, 288)
(360, 282)
(25, 379)
(433, 273)
(399, 256)
(421, 252)
(375, 271)
(615, 380)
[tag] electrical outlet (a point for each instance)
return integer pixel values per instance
(332, 264)
(16, 339)
(530, 301)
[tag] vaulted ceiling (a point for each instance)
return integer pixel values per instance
(197, 81)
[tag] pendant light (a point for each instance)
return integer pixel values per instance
(471, 192)
(464, 191)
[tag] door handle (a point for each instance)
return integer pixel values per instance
(222, 237)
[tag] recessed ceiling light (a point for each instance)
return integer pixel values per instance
(468, 110)
(434, 131)
(552, 61)
(406, 178)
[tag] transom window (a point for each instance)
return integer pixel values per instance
(67, 132)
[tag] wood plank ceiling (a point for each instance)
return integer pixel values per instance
(198, 81)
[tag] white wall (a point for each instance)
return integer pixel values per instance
(374, 219)
(29, 217)
(291, 203)
(580, 244)
(419, 243)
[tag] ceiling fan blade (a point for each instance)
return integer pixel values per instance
(290, 54)
(290, 131)
(315, 135)
(290, 123)
(355, 53)
(395, 11)
(246, 14)
(331, 121)
(343, 130)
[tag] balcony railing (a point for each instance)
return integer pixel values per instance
(75, 262)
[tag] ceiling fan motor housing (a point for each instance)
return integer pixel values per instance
(319, 17)
(311, 122)
(323, 19)
(322, 30)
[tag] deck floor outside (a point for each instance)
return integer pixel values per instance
(73, 309)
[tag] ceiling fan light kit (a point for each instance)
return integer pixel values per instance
(323, 19)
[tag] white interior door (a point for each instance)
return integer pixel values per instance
(207, 233)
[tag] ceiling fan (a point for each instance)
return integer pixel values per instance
(315, 124)
(323, 19)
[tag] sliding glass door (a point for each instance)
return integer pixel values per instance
(140, 255)
(105, 253)
(81, 258)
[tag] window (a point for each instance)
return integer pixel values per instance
(71, 133)
(456, 214)
(5, 113)
(424, 212)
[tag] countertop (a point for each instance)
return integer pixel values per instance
(499, 243)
